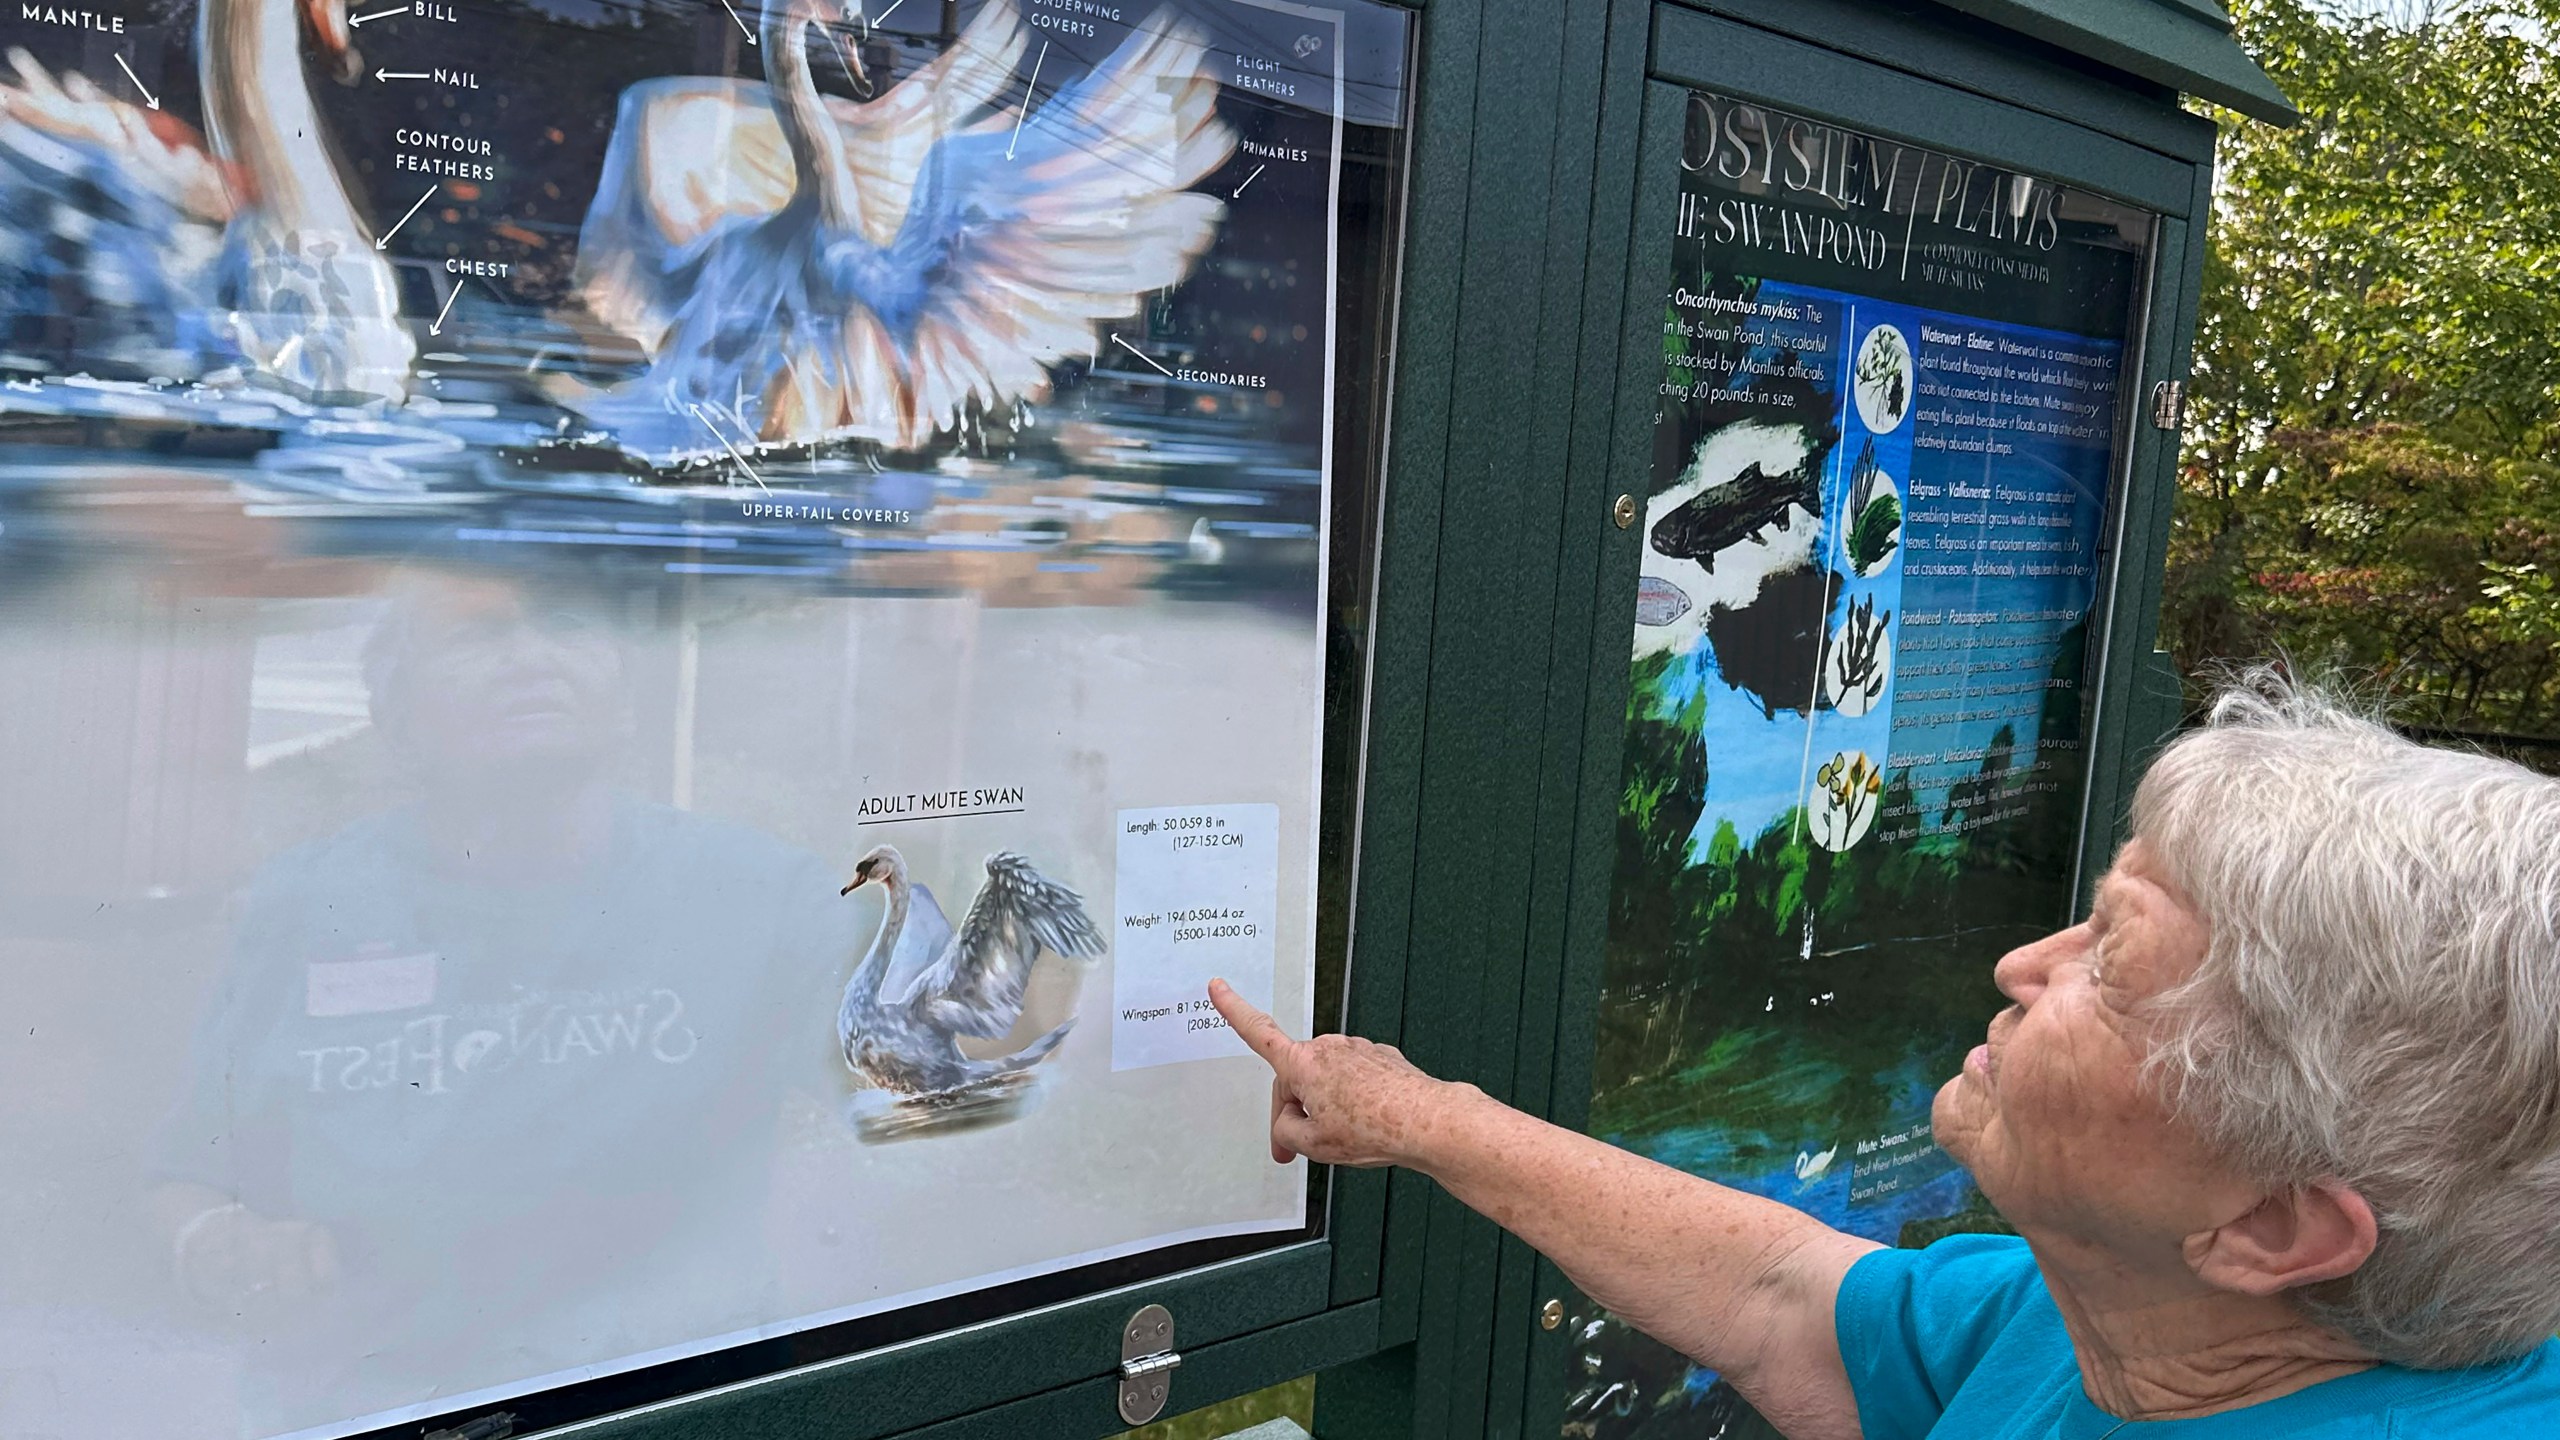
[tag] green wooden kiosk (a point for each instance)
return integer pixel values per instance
(1540, 195)
(1830, 351)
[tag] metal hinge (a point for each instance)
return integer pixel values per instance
(1147, 1363)
(2169, 405)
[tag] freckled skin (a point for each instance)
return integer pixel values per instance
(2168, 1265)
(1720, 1274)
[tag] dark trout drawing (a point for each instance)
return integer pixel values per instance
(1740, 509)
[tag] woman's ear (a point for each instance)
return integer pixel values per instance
(2297, 1237)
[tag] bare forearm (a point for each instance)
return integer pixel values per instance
(1738, 1283)
(1741, 1284)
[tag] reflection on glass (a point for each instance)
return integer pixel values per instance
(518, 1006)
(505, 509)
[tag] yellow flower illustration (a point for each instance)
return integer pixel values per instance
(1847, 780)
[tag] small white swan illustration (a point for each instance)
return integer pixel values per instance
(1812, 1167)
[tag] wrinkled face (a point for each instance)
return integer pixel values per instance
(2051, 1115)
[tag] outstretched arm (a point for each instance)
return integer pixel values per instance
(1740, 1284)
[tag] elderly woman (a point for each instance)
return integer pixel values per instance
(2278, 1127)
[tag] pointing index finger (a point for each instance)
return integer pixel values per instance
(1256, 1029)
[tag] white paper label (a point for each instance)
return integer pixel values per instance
(368, 987)
(1198, 888)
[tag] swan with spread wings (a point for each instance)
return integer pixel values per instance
(801, 267)
(950, 986)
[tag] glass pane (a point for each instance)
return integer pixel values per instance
(651, 650)
(1889, 425)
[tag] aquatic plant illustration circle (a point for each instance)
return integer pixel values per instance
(1859, 665)
(1882, 380)
(1874, 519)
(1847, 791)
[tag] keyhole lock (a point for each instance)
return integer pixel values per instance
(1624, 512)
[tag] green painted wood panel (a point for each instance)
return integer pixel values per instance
(883, 1392)
(2169, 43)
(1975, 55)
(1719, 55)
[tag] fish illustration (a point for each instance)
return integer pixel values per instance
(1659, 602)
(1742, 508)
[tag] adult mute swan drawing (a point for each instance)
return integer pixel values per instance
(314, 305)
(801, 267)
(111, 224)
(966, 984)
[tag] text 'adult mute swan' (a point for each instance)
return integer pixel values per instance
(972, 986)
(801, 267)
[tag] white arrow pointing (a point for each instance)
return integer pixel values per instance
(732, 449)
(1249, 179)
(399, 74)
(403, 220)
(751, 39)
(137, 83)
(355, 20)
(1141, 354)
(450, 296)
(1028, 88)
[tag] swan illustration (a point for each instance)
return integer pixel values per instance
(967, 984)
(315, 306)
(111, 227)
(801, 267)
(1810, 1166)
(148, 252)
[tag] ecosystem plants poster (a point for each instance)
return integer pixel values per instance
(1883, 450)
(651, 648)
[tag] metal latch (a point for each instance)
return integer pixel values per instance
(1147, 1363)
(2169, 405)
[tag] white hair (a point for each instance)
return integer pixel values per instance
(2379, 1003)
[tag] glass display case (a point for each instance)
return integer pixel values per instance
(653, 650)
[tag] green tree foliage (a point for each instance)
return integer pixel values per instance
(1294, 1400)
(2370, 475)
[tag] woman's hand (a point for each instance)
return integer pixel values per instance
(1743, 1285)
(1339, 1099)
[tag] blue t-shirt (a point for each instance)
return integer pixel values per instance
(1961, 1341)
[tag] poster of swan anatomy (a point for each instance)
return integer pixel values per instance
(648, 651)
(1884, 454)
